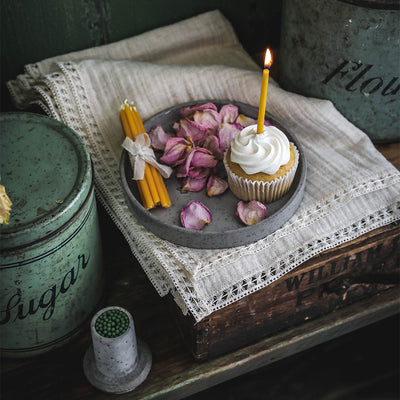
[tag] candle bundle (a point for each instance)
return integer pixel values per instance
(152, 187)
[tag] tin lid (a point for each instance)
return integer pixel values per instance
(46, 170)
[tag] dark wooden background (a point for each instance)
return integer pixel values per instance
(32, 30)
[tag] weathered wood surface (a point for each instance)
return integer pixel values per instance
(175, 374)
(329, 281)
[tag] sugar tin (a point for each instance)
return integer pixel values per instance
(51, 273)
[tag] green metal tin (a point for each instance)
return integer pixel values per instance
(51, 273)
(346, 51)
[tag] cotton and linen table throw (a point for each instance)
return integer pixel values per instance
(351, 188)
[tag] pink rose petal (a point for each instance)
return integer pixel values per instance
(188, 111)
(193, 184)
(195, 173)
(216, 186)
(191, 129)
(199, 173)
(159, 137)
(176, 150)
(267, 123)
(195, 215)
(252, 212)
(212, 144)
(209, 119)
(203, 158)
(180, 171)
(199, 162)
(244, 121)
(229, 113)
(226, 133)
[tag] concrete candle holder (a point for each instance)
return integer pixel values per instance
(116, 362)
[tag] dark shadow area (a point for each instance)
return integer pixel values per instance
(362, 365)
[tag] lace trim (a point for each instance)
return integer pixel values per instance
(32, 72)
(282, 267)
(272, 272)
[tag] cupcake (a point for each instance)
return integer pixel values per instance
(261, 166)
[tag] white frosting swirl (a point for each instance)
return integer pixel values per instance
(264, 152)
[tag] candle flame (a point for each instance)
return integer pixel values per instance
(268, 59)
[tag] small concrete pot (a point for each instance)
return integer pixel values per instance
(116, 362)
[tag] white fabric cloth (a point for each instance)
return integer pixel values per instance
(351, 188)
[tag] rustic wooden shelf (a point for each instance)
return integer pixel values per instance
(175, 373)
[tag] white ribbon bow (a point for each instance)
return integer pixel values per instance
(140, 152)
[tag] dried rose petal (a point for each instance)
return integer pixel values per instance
(212, 144)
(226, 133)
(216, 186)
(196, 173)
(199, 172)
(176, 150)
(195, 215)
(267, 123)
(194, 184)
(209, 119)
(244, 121)
(159, 137)
(198, 161)
(229, 113)
(191, 129)
(201, 157)
(252, 212)
(188, 111)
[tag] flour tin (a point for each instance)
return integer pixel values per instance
(51, 274)
(347, 51)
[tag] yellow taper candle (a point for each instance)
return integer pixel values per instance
(264, 89)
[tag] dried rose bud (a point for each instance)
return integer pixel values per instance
(195, 215)
(252, 212)
(216, 186)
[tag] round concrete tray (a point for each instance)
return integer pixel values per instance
(225, 230)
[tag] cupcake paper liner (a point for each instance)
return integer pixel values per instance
(265, 192)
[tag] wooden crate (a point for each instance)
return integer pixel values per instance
(334, 279)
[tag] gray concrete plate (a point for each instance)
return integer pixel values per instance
(226, 230)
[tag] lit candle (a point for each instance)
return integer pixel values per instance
(264, 89)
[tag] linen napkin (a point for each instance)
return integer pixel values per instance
(351, 188)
